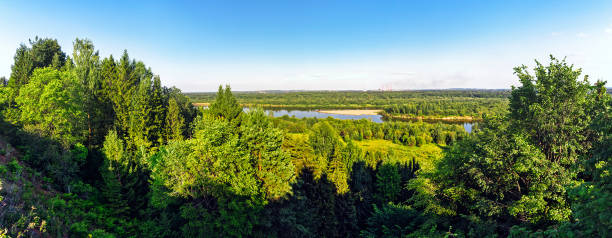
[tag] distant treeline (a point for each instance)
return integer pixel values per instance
(410, 134)
(448, 107)
(348, 99)
(94, 146)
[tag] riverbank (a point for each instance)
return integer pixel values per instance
(315, 107)
(352, 112)
(450, 119)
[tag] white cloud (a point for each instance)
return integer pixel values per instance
(609, 30)
(582, 35)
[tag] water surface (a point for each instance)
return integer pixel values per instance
(315, 114)
(374, 118)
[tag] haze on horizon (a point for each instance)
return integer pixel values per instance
(325, 45)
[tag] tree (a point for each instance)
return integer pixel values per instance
(51, 105)
(47, 52)
(388, 182)
(240, 169)
(515, 169)
(22, 68)
(186, 109)
(122, 81)
(112, 172)
(87, 66)
(592, 200)
(226, 106)
(553, 108)
(264, 142)
(158, 102)
(44, 52)
(396, 221)
(175, 122)
(324, 140)
(139, 117)
(125, 179)
(4, 94)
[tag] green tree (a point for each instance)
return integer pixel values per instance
(22, 68)
(139, 117)
(125, 186)
(553, 107)
(112, 172)
(175, 122)
(397, 221)
(226, 106)
(51, 105)
(4, 94)
(592, 199)
(516, 168)
(388, 182)
(264, 142)
(324, 140)
(44, 52)
(158, 101)
(96, 105)
(240, 171)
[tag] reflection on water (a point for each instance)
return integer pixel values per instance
(468, 127)
(303, 114)
(375, 118)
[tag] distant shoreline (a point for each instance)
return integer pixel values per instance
(467, 119)
(200, 104)
(352, 112)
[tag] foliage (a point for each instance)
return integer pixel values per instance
(102, 149)
(241, 171)
(541, 105)
(308, 100)
(448, 107)
(50, 106)
(225, 105)
(517, 168)
(397, 221)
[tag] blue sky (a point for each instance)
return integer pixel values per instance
(255, 45)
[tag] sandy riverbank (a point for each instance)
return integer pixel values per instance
(434, 119)
(351, 112)
(201, 104)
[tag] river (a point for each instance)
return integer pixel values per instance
(375, 118)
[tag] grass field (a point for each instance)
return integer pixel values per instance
(425, 155)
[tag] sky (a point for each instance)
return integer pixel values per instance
(324, 44)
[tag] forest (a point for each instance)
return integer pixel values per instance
(94, 146)
(305, 100)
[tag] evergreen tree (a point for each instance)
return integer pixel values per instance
(388, 182)
(159, 103)
(175, 122)
(22, 68)
(226, 106)
(125, 179)
(241, 171)
(324, 140)
(112, 172)
(274, 167)
(139, 116)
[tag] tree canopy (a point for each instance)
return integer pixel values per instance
(94, 146)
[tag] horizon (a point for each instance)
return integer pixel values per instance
(355, 90)
(325, 46)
